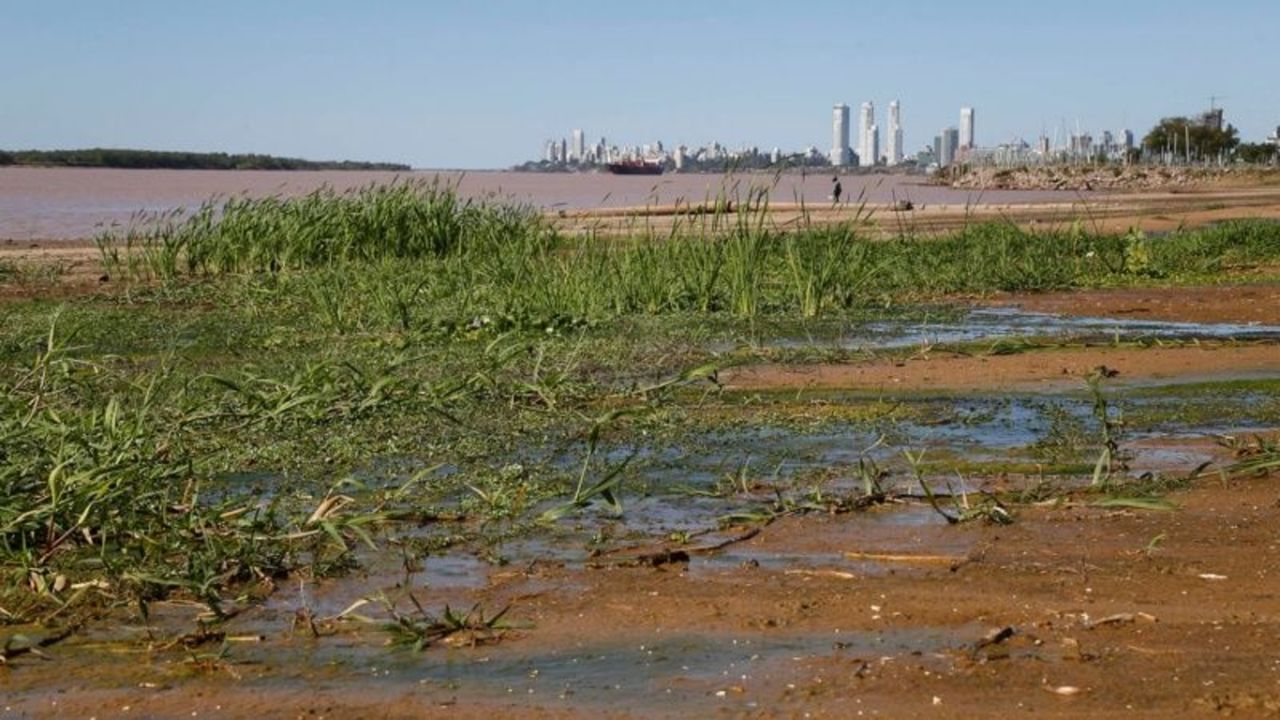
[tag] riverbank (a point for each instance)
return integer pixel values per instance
(1152, 212)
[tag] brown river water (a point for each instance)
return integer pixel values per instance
(78, 203)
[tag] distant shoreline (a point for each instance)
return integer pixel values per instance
(129, 159)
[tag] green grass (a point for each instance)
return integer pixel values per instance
(413, 256)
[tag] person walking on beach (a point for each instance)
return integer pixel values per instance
(836, 190)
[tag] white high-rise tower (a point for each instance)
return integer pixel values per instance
(840, 136)
(894, 154)
(866, 121)
(966, 129)
(873, 146)
(579, 148)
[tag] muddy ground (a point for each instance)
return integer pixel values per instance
(1073, 610)
(1108, 613)
(1043, 370)
(1216, 304)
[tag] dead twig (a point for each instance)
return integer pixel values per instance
(19, 645)
(669, 556)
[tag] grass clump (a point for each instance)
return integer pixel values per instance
(273, 234)
(412, 256)
(105, 490)
(1258, 456)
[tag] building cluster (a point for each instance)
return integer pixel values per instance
(950, 146)
(573, 153)
(958, 144)
(868, 153)
(1074, 147)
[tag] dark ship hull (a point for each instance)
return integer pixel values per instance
(635, 168)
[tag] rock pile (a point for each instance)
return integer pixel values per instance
(1086, 178)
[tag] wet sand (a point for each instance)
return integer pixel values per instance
(1098, 612)
(1042, 370)
(1217, 304)
(1059, 368)
(1153, 212)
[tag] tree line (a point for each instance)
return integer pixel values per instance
(166, 160)
(1194, 137)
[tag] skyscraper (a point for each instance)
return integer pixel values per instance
(947, 143)
(894, 138)
(866, 120)
(840, 136)
(966, 129)
(579, 146)
(1081, 145)
(873, 146)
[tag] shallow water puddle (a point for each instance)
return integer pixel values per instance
(645, 672)
(702, 672)
(990, 324)
(994, 323)
(906, 537)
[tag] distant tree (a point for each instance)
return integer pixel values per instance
(1206, 141)
(1257, 153)
(137, 159)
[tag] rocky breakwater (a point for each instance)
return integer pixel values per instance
(1100, 178)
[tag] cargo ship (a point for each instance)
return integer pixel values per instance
(635, 167)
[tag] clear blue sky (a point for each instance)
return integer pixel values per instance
(481, 83)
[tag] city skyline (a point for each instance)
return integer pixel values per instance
(952, 144)
(469, 85)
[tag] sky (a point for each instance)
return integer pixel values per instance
(484, 83)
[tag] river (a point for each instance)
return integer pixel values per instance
(78, 203)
